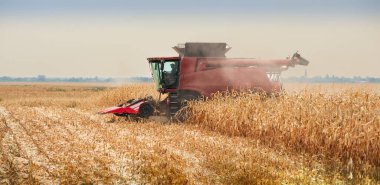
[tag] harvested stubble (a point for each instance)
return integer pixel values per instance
(342, 128)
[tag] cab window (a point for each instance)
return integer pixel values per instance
(170, 74)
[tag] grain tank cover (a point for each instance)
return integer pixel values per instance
(198, 49)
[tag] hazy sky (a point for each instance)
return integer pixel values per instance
(113, 38)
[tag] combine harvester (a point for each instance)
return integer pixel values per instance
(200, 70)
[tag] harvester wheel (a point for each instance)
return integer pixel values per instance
(146, 110)
(184, 99)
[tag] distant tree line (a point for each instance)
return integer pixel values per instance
(302, 79)
(332, 79)
(140, 79)
(43, 78)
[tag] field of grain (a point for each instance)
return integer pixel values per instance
(312, 134)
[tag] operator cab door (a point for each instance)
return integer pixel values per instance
(170, 74)
(165, 73)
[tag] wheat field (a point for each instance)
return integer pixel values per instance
(311, 134)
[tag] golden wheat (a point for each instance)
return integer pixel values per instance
(122, 94)
(341, 126)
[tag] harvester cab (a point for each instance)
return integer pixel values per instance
(165, 72)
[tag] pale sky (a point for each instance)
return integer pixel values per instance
(113, 38)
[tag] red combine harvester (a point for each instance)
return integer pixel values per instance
(200, 70)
